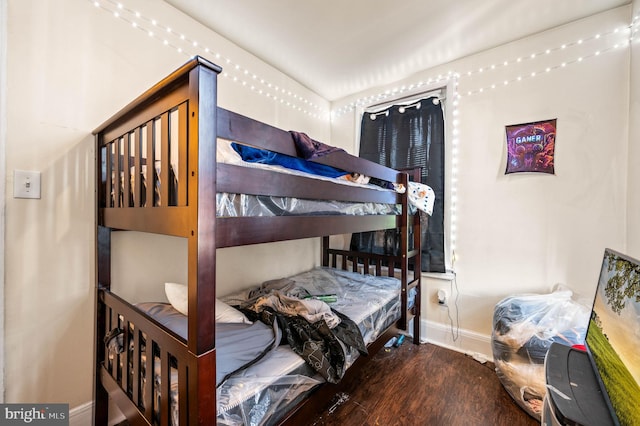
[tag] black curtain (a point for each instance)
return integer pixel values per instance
(404, 137)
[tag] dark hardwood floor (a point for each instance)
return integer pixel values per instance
(431, 386)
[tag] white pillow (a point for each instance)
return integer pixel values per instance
(226, 313)
(177, 294)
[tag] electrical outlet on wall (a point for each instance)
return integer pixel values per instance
(442, 297)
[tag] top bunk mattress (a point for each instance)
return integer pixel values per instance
(243, 205)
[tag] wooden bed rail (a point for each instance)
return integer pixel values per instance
(239, 128)
(129, 375)
(380, 265)
(363, 262)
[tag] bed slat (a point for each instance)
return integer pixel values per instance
(149, 175)
(183, 154)
(135, 394)
(148, 384)
(165, 387)
(137, 165)
(115, 161)
(104, 179)
(125, 169)
(183, 392)
(125, 353)
(164, 153)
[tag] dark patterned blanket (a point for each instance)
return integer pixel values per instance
(324, 349)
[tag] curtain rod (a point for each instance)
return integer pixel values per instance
(439, 93)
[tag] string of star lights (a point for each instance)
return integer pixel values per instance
(395, 93)
(246, 78)
(453, 184)
(621, 41)
(190, 47)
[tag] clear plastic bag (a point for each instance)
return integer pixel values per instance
(524, 327)
(240, 205)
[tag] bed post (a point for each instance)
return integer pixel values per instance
(416, 255)
(404, 253)
(417, 274)
(103, 280)
(202, 135)
(325, 251)
(410, 257)
(103, 272)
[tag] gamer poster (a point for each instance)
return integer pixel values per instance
(530, 147)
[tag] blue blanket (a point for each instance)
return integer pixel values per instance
(255, 155)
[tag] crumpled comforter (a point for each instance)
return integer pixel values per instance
(256, 155)
(310, 148)
(320, 335)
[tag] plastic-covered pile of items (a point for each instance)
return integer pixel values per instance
(524, 327)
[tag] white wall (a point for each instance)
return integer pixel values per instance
(72, 65)
(3, 129)
(633, 194)
(526, 233)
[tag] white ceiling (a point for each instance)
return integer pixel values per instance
(340, 47)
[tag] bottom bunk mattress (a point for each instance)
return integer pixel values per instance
(268, 379)
(372, 302)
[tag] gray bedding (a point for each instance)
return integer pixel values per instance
(238, 345)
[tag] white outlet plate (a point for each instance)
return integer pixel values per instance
(443, 297)
(26, 184)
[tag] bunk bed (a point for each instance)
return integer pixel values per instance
(157, 173)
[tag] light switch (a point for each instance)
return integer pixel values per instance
(26, 184)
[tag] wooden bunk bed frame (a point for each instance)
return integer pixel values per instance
(184, 106)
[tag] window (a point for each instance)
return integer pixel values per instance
(406, 136)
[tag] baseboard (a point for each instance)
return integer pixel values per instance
(82, 415)
(468, 342)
